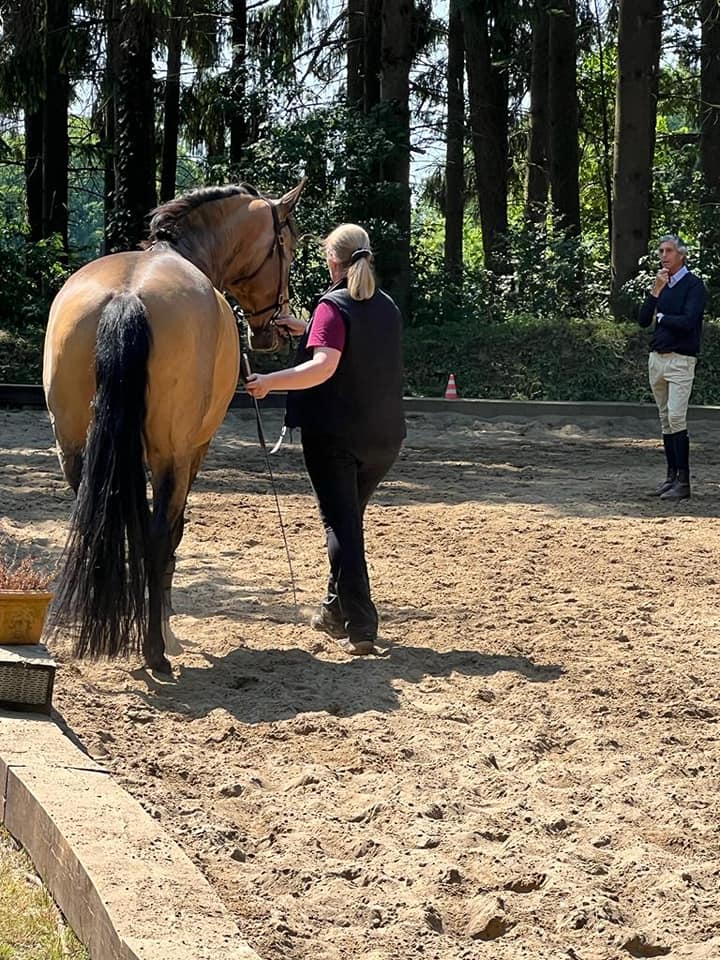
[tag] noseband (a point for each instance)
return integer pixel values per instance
(277, 246)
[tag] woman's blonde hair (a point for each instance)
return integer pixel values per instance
(349, 245)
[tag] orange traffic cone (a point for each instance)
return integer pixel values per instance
(451, 388)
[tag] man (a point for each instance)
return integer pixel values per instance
(676, 304)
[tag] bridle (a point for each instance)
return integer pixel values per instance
(277, 246)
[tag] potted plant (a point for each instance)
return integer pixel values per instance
(24, 599)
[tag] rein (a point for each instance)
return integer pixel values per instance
(245, 371)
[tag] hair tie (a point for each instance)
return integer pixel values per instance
(359, 254)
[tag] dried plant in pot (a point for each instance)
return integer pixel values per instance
(24, 599)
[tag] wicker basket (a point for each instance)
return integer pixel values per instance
(27, 675)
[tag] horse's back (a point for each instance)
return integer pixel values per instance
(194, 356)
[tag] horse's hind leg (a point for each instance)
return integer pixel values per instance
(71, 462)
(176, 533)
(172, 645)
(165, 483)
(70, 427)
(170, 488)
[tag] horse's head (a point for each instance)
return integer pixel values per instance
(260, 282)
(243, 242)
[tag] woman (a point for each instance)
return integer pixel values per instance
(345, 394)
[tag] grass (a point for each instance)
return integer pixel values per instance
(31, 926)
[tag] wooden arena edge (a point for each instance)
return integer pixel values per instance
(128, 891)
(31, 395)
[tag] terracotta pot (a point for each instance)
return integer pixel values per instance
(22, 615)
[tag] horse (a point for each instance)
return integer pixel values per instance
(141, 360)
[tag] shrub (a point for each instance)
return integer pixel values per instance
(30, 275)
(545, 358)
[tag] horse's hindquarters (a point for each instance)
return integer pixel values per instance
(69, 372)
(193, 373)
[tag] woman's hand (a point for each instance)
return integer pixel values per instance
(258, 385)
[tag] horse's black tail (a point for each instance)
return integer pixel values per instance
(102, 590)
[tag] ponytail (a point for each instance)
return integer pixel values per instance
(361, 279)
(349, 245)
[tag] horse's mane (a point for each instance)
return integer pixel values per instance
(166, 219)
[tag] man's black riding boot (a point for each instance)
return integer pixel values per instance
(669, 444)
(680, 489)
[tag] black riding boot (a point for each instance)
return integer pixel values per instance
(669, 444)
(680, 489)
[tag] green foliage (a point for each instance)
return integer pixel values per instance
(12, 181)
(596, 92)
(550, 274)
(276, 31)
(30, 274)
(527, 358)
(544, 332)
(545, 358)
(86, 189)
(541, 331)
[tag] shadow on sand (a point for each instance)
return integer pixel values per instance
(262, 686)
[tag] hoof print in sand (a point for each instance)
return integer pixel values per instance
(638, 945)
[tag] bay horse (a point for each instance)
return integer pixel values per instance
(141, 361)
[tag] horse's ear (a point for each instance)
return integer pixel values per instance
(289, 201)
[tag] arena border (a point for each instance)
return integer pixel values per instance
(127, 890)
(31, 395)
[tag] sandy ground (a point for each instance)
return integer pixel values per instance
(531, 769)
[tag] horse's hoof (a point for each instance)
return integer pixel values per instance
(160, 665)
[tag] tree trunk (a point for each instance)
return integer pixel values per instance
(537, 179)
(635, 113)
(135, 190)
(397, 54)
(488, 97)
(360, 201)
(372, 53)
(562, 97)
(372, 67)
(171, 112)
(454, 160)
(25, 22)
(109, 108)
(34, 172)
(710, 137)
(355, 53)
(238, 124)
(55, 126)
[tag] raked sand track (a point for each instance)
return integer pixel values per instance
(532, 768)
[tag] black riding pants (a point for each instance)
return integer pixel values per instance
(344, 481)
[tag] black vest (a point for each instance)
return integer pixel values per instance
(362, 401)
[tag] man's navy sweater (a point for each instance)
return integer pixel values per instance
(682, 307)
